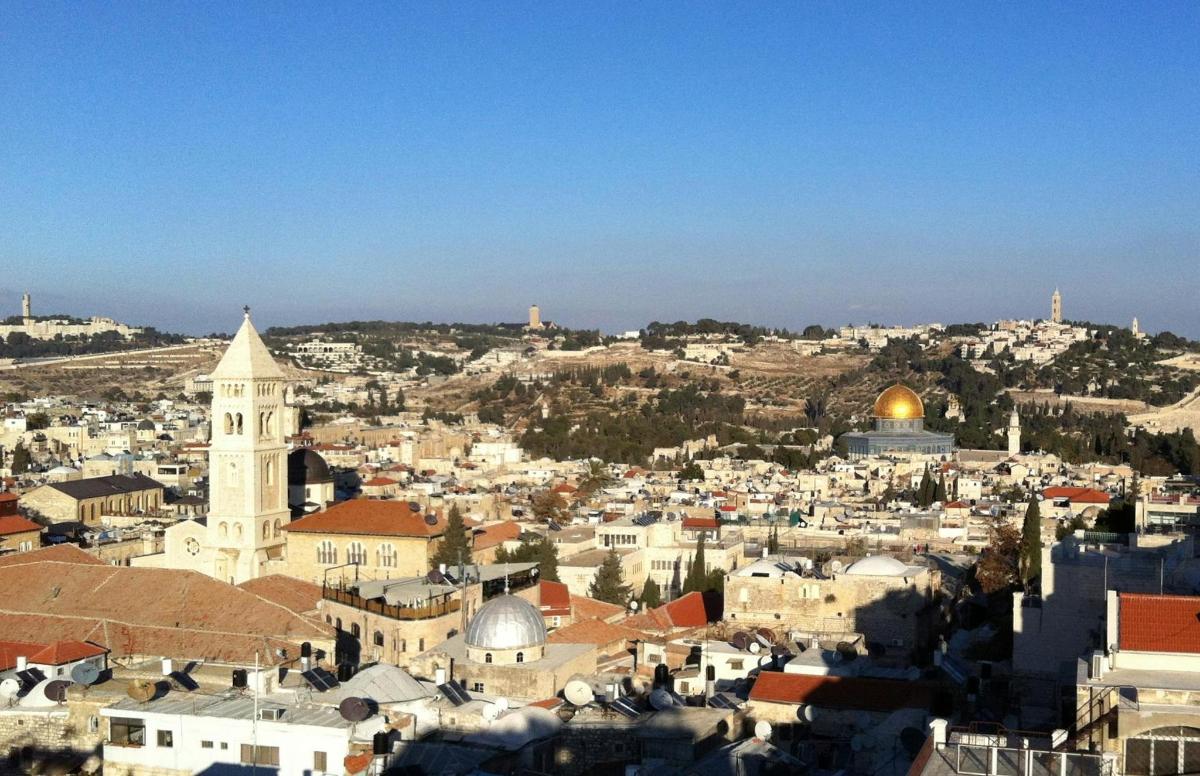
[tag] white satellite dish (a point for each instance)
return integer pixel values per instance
(502, 704)
(762, 730)
(9, 688)
(754, 647)
(633, 605)
(661, 700)
(806, 713)
(578, 692)
(836, 566)
(490, 712)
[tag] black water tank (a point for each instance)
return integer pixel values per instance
(345, 672)
(662, 675)
(306, 649)
(710, 673)
(240, 678)
(382, 743)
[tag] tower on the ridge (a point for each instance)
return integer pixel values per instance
(1014, 433)
(1056, 307)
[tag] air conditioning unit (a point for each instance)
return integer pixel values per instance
(270, 714)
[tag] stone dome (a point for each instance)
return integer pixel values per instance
(306, 467)
(506, 622)
(899, 403)
(878, 566)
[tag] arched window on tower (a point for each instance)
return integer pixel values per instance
(266, 530)
(238, 531)
(223, 530)
(262, 424)
(269, 426)
(487, 658)
(278, 529)
(520, 657)
(239, 423)
(326, 553)
(228, 423)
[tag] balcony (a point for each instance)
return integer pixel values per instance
(432, 609)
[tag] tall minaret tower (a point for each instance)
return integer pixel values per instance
(535, 317)
(1014, 433)
(26, 308)
(1056, 307)
(247, 460)
(1137, 331)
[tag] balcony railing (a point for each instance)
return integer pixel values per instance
(433, 608)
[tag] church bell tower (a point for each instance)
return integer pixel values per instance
(247, 460)
(1014, 433)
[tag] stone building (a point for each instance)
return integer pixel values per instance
(18, 535)
(88, 500)
(899, 429)
(363, 539)
(891, 604)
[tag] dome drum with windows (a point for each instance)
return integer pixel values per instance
(506, 630)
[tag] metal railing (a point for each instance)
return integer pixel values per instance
(430, 610)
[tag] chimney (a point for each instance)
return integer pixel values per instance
(167, 666)
(937, 729)
(710, 683)
(22, 662)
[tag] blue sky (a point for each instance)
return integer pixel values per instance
(781, 164)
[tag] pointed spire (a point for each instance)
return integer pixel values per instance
(247, 357)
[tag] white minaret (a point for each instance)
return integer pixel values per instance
(1056, 307)
(1135, 329)
(1014, 433)
(247, 459)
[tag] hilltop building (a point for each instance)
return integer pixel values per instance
(1014, 433)
(66, 327)
(535, 317)
(899, 429)
(1056, 307)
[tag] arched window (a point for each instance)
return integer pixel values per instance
(326, 553)
(487, 658)
(228, 423)
(223, 530)
(238, 423)
(355, 553)
(378, 638)
(278, 529)
(238, 531)
(355, 631)
(266, 530)
(520, 657)
(338, 623)
(262, 424)
(403, 645)
(386, 556)
(270, 471)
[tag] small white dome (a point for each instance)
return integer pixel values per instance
(878, 566)
(506, 622)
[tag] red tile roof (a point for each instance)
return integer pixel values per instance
(370, 517)
(584, 607)
(836, 692)
(357, 763)
(68, 651)
(291, 593)
(378, 482)
(700, 522)
(6, 496)
(554, 598)
(492, 535)
(1159, 623)
(1080, 495)
(12, 524)
(597, 632)
(687, 611)
(65, 553)
(565, 487)
(548, 703)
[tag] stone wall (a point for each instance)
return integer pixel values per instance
(70, 733)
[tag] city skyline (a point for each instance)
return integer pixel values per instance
(780, 166)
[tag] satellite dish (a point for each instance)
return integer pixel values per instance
(836, 566)
(354, 709)
(414, 506)
(766, 633)
(740, 640)
(762, 730)
(502, 703)
(431, 519)
(806, 713)
(661, 700)
(578, 692)
(9, 688)
(633, 605)
(56, 690)
(85, 674)
(754, 647)
(490, 712)
(846, 651)
(141, 690)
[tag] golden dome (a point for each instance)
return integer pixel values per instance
(899, 403)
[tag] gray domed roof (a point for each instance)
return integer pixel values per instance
(878, 566)
(146, 425)
(506, 622)
(306, 467)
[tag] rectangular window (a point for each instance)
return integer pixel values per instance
(653, 658)
(266, 755)
(127, 731)
(165, 738)
(477, 687)
(735, 665)
(206, 744)
(319, 762)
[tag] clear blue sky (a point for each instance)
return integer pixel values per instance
(782, 163)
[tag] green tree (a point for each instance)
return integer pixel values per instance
(925, 490)
(773, 540)
(651, 597)
(548, 505)
(454, 546)
(998, 566)
(696, 578)
(540, 551)
(940, 493)
(691, 471)
(597, 478)
(20, 459)
(37, 421)
(1031, 542)
(609, 584)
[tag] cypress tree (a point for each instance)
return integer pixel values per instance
(454, 541)
(697, 576)
(1031, 542)
(651, 597)
(940, 493)
(20, 459)
(925, 490)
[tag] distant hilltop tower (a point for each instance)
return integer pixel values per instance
(26, 308)
(1056, 307)
(1137, 332)
(535, 317)
(1014, 433)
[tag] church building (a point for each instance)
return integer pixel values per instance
(248, 477)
